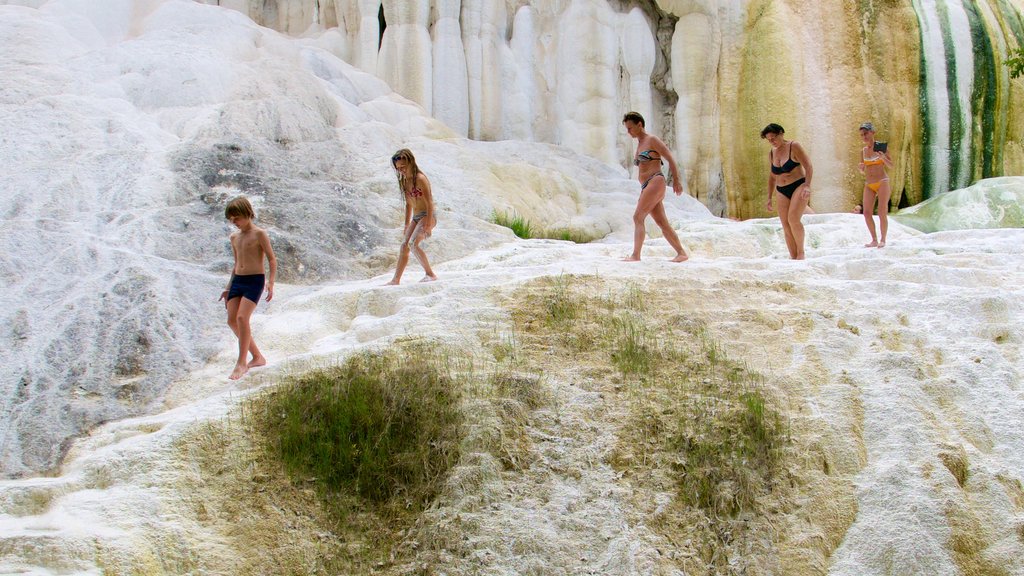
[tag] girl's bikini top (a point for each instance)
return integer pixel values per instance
(414, 193)
(873, 161)
(786, 168)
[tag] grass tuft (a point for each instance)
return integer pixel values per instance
(568, 235)
(728, 459)
(379, 426)
(561, 305)
(519, 225)
(523, 228)
(632, 350)
(523, 388)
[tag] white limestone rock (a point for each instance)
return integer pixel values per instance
(450, 82)
(587, 113)
(405, 61)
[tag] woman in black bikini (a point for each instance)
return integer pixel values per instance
(790, 183)
(650, 153)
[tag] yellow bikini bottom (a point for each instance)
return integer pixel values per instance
(874, 186)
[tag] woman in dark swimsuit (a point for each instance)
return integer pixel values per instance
(790, 183)
(650, 152)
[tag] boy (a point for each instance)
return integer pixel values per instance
(249, 245)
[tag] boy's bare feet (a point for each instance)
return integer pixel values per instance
(631, 259)
(256, 362)
(392, 283)
(881, 244)
(428, 278)
(681, 258)
(872, 244)
(238, 372)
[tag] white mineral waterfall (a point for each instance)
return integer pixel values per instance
(564, 71)
(945, 117)
(494, 56)
(405, 59)
(1001, 119)
(473, 43)
(963, 50)
(587, 113)
(638, 56)
(451, 84)
(936, 133)
(367, 33)
(296, 17)
(696, 47)
(522, 108)
(818, 103)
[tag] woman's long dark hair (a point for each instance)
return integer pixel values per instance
(405, 154)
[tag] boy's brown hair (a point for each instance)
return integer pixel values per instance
(239, 206)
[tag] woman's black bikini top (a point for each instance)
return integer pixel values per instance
(786, 168)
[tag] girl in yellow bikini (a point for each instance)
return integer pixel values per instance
(875, 159)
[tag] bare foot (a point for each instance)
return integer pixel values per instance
(631, 259)
(872, 244)
(256, 362)
(881, 244)
(428, 278)
(680, 258)
(238, 372)
(392, 283)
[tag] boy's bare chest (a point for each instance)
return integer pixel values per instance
(247, 243)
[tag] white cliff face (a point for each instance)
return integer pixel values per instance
(495, 71)
(551, 71)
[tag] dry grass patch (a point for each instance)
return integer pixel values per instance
(330, 472)
(698, 425)
(327, 472)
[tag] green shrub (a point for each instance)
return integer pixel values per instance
(1016, 62)
(380, 426)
